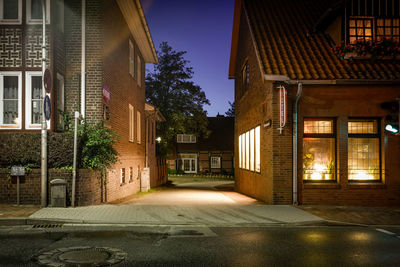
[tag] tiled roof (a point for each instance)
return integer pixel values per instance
(282, 30)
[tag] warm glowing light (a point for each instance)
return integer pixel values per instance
(362, 175)
(16, 120)
(316, 176)
(158, 139)
(318, 170)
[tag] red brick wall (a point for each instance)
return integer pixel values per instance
(88, 187)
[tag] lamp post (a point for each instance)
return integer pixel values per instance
(44, 124)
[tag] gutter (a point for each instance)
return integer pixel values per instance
(83, 61)
(295, 137)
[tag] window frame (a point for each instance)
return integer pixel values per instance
(384, 27)
(213, 165)
(131, 62)
(29, 19)
(245, 77)
(17, 126)
(28, 99)
(122, 180)
(131, 123)
(374, 28)
(333, 136)
(378, 135)
(250, 151)
(17, 21)
(138, 127)
(180, 138)
(361, 18)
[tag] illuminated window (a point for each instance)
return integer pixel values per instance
(131, 123)
(122, 176)
(10, 11)
(138, 127)
(10, 100)
(249, 150)
(34, 100)
(360, 29)
(319, 150)
(388, 29)
(215, 162)
(240, 151)
(363, 150)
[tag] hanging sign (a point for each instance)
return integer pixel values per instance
(47, 81)
(282, 107)
(106, 94)
(47, 107)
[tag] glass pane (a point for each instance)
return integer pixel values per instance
(186, 165)
(36, 111)
(318, 127)
(247, 150)
(240, 151)
(360, 32)
(10, 113)
(368, 32)
(380, 22)
(193, 163)
(395, 22)
(363, 127)
(10, 9)
(318, 158)
(360, 23)
(258, 163)
(10, 87)
(352, 32)
(252, 150)
(36, 9)
(367, 23)
(37, 87)
(363, 159)
(243, 151)
(352, 23)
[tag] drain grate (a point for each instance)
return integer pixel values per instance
(81, 256)
(47, 225)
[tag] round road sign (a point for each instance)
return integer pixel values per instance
(47, 107)
(47, 81)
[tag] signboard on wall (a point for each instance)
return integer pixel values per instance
(282, 107)
(106, 94)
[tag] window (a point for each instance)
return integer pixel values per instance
(60, 102)
(388, 29)
(215, 162)
(34, 11)
(319, 145)
(131, 58)
(245, 77)
(122, 176)
(10, 100)
(360, 29)
(139, 129)
(34, 100)
(10, 11)
(363, 150)
(185, 138)
(249, 150)
(130, 174)
(131, 123)
(139, 71)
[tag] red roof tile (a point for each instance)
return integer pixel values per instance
(287, 46)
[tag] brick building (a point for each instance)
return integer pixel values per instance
(213, 154)
(109, 43)
(311, 120)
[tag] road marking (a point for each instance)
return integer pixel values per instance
(385, 231)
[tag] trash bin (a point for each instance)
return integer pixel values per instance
(58, 193)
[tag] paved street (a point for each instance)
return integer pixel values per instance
(210, 246)
(197, 203)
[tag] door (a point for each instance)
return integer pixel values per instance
(189, 165)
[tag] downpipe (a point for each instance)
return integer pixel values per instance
(295, 137)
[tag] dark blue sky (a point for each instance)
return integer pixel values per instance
(203, 28)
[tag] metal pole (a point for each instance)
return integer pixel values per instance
(44, 124)
(75, 156)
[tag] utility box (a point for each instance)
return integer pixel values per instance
(145, 180)
(58, 193)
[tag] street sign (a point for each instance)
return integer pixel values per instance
(47, 81)
(17, 171)
(47, 107)
(282, 107)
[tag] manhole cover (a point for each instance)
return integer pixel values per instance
(81, 256)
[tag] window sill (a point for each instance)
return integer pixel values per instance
(366, 185)
(321, 185)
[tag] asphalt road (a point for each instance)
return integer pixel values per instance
(203, 246)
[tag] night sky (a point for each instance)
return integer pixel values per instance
(203, 28)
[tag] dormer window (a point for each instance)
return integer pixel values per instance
(360, 29)
(388, 29)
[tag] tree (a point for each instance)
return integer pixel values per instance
(231, 110)
(170, 89)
